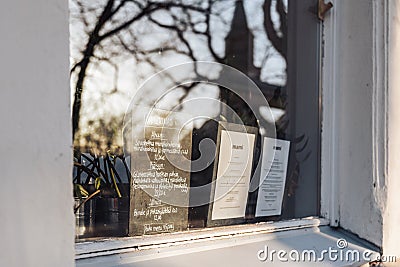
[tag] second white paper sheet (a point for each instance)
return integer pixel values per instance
(273, 177)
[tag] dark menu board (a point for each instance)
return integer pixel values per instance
(160, 164)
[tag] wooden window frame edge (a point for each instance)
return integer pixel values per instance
(112, 246)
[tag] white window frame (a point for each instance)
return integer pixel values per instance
(331, 199)
(330, 203)
(112, 246)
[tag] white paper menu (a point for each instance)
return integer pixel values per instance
(273, 177)
(233, 175)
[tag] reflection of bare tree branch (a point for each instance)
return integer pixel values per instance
(95, 38)
(208, 33)
(280, 9)
(114, 30)
(82, 13)
(277, 41)
(179, 33)
(127, 48)
(84, 63)
(144, 56)
(151, 7)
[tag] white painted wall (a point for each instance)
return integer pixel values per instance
(358, 209)
(36, 220)
(391, 234)
(353, 184)
(361, 120)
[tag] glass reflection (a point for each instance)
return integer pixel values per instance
(117, 44)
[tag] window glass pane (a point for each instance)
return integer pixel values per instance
(189, 114)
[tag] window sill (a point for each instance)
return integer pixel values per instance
(110, 246)
(231, 245)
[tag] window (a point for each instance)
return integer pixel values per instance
(167, 93)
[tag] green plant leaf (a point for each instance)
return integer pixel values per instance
(79, 191)
(97, 183)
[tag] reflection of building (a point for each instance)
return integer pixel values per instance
(239, 54)
(359, 148)
(239, 42)
(239, 50)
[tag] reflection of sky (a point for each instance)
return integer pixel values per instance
(125, 71)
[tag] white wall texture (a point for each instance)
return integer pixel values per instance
(391, 236)
(361, 120)
(351, 138)
(36, 220)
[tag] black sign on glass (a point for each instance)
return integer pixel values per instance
(160, 164)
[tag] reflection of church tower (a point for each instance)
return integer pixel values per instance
(239, 54)
(239, 49)
(239, 43)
